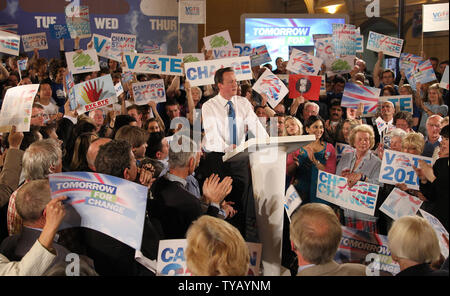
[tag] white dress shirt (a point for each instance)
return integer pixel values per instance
(216, 124)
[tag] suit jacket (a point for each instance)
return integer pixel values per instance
(332, 268)
(422, 270)
(175, 208)
(15, 247)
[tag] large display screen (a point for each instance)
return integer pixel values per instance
(280, 33)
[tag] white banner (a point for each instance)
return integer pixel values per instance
(435, 17)
(202, 73)
(9, 43)
(156, 64)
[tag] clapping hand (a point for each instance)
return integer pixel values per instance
(215, 191)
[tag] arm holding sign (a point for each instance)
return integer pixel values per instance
(377, 70)
(4, 74)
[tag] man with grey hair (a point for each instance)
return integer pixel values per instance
(433, 138)
(175, 207)
(316, 233)
(31, 201)
(41, 158)
(309, 109)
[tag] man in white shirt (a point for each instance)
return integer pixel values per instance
(45, 99)
(226, 119)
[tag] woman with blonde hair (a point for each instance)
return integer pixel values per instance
(216, 248)
(431, 105)
(414, 245)
(292, 127)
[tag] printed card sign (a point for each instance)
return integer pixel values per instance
(202, 73)
(370, 249)
(191, 57)
(269, 84)
(119, 89)
(218, 40)
(407, 60)
(292, 201)
(445, 80)
(9, 43)
(397, 167)
(344, 39)
(147, 91)
(16, 108)
(255, 250)
(171, 260)
(153, 64)
(304, 85)
(302, 63)
(79, 24)
(222, 53)
(440, 230)
(425, 72)
(399, 204)
(359, 45)
(260, 55)
(245, 49)
(401, 103)
(59, 31)
(192, 12)
(32, 41)
(82, 62)
(121, 43)
(435, 17)
(102, 45)
(388, 45)
(111, 205)
(362, 197)
(354, 94)
(95, 93)
(70, 84)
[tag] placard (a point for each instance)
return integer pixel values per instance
(269, 84)
(425, 72)
(102, 45)
(388, 45)
(440, 231)
(152, 64)
(445, 80)
(341, 149)
(399, 204)
(245, 49)
(222, 53)
(16, 108)
(302, 63)
(344, 39)
(362, 197)
(396, 167)
(59, 31)
(32, 41)
(255, 250)
(171, 259)
(304, 85)
(121, 43)
(218, 40)
(291, 201)
(9, 43)
(259, 56)
(111, 205)
(202, 73)
(147, 91)
(82, 62)
(435, 17)
(192, 12)
(79, 26)
(95, 93)
(370, 249)
(70, 84)
(354, 94)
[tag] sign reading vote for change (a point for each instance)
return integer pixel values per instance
(171, 259)
(111, 205)
(147, 91)
(397, 167)
(202, 73)
(156, 64)
(388, 45)
(16, 108)
(362, 197)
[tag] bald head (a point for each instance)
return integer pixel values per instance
(93, 151)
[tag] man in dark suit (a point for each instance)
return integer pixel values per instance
(31, 200)
(174, 206)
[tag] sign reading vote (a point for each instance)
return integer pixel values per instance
(156, 64)
(291, 201)
(202, 73)
(388, 45)
(111, 205)
(397, 167)
(102, 45)
(342, 148)
(245, 49)
(171, 259)
(362, 197)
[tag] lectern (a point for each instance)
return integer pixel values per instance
(268, 167)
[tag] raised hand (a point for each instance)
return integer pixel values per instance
(91, 91)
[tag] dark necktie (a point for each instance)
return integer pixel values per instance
(232, 123)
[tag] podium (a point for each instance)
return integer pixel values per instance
(268, 168)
